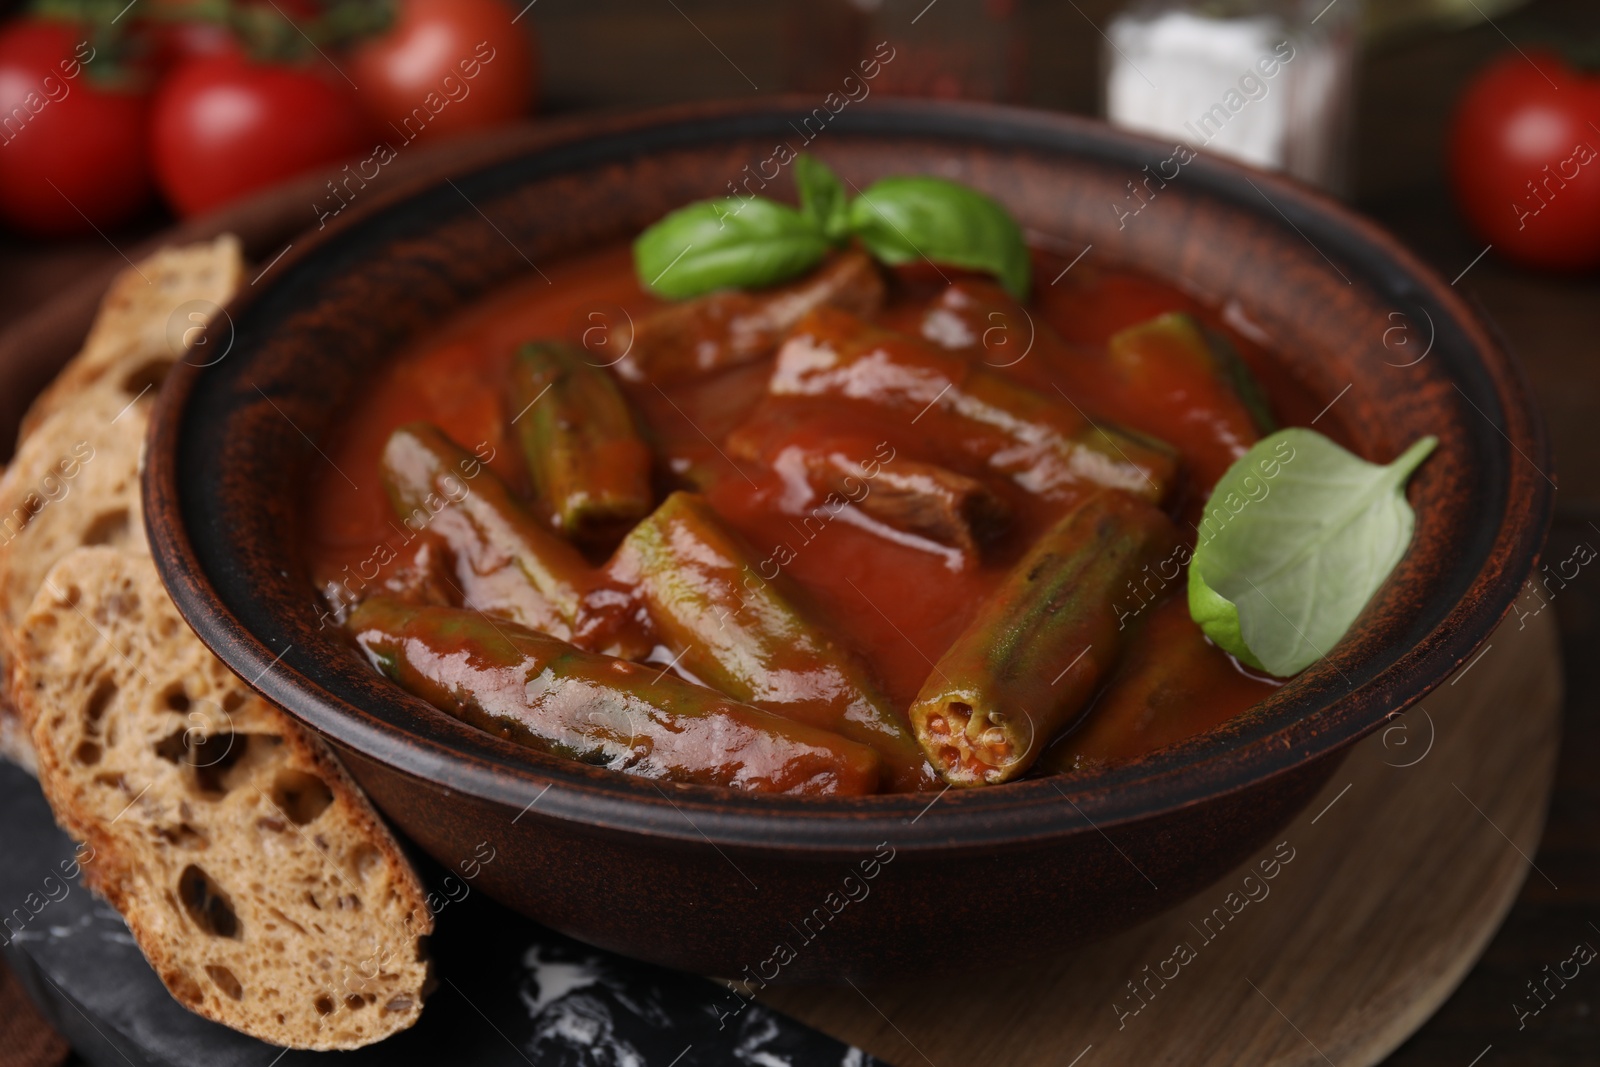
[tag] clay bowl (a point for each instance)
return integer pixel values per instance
(784, 888)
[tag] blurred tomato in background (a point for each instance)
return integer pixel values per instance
(227, 125)
(73, 131)
(1523, 160)
(464, 62)
(211, 100)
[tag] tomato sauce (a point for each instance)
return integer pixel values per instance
(898, 601)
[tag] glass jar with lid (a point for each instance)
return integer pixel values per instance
(1268, 82)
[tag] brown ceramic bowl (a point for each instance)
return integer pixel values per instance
(714, 881)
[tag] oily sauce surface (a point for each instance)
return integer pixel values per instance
(899, 601)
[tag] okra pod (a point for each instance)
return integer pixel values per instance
(541, 692)
(580, 441)
(1174, 352)
(732, 327)
(507, 563)
(1045, 444)
(1171, 684)
(1041, 645)
(738, 631)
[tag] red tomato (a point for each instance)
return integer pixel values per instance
(446, 67)
(1525, 160)
(227, 126)
(173, 44)
(72, 151)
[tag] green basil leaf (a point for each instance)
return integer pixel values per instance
(1297, 537)
(822, 197)
(909, 218)
(727, 243)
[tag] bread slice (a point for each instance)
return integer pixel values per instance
(145, 321)
(74, 480)
(253, 873)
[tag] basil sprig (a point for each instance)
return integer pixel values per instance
(1297, 536)
(822, 197)
(749, 243)
(906, 219)
(715, 244)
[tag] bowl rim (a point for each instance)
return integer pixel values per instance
(1161, 782)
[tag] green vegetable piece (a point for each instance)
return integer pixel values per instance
(543, 693)
(1041, 645)
(1237, 373)
(514, 567)
(1153, 351)
(580, 441)
(822, 197)
(1297, 537)
(908, 218)
(741, 632)
(727, 243)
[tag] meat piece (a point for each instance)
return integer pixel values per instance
(730, 327)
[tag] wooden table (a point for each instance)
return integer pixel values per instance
(1552, 323)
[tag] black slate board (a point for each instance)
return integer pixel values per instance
(511, 993)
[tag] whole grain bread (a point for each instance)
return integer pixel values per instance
(146, 321)
(74, 480)
(253, 873)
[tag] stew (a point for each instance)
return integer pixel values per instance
(871, 529)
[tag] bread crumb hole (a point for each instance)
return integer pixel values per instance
(207, 905)
(300, 796)
(233, 701)
(324, 1004)
(176, 699)
(105, 691)
(398, 1004)
(365, 861)
(146, 376)
(183, 836)
(286, 920)
(213, 757)
(172, 747)
(354, 1003)
(225, 981)
(108, 528)
(87, 753)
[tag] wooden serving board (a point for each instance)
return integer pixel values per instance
(1401, 871)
